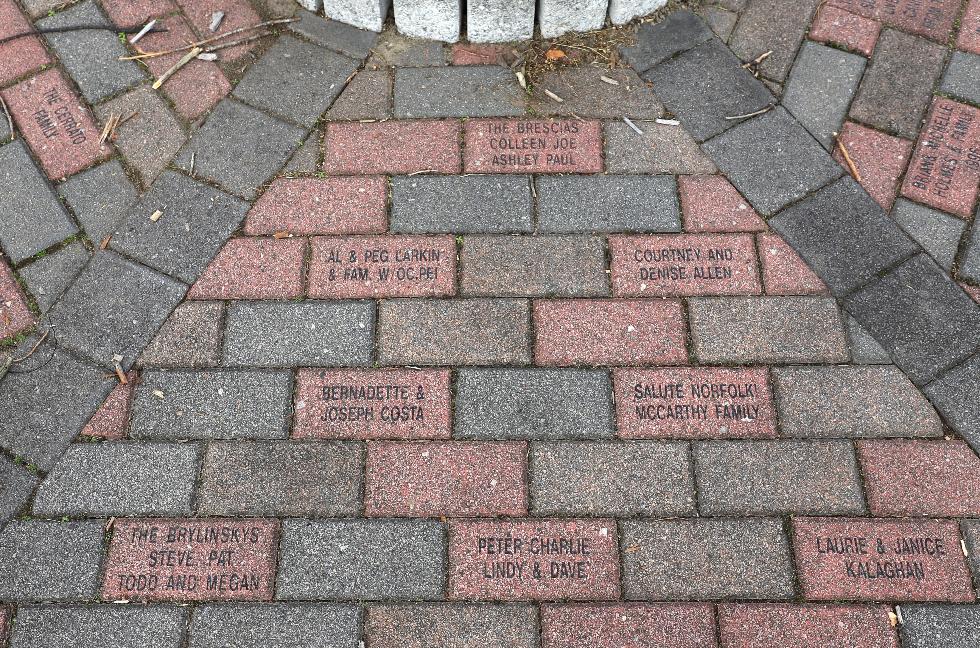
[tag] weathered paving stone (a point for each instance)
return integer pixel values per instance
(22, 55)
(658, 42)
(854, 559)
(253, 268)
(706, 559)
(499, 21)
(238, 14)
(533, 404)
(783, 271)
(609, 332)
(470, 204)
(585, 94)
(721, 20)
(320, 206)
(767, 330)
(533, 560)
(361, 560)
(306, 159)
(775, 25)
(216, 404)
(100, 197)
(199, 559)
(937, 232)
(285, 625)
(596, 478)
(951, 395)
(864, 348)
(395, 50)
(151, 138)
(16, 486)
(190, 337)
(962, 77)
(532, 146)
(969, 34)
(92, 626)
(280, 478)
(661, 148)
(933, 20)
(44, 560)
(607, 203)
(879, 158)
(393, 147)
(679, 625)
(456, 624)
(457, 91)
(446, 478)
(772, 160)
(435, 19)
(711, 204)
(843, 28)
(454, 332)
(367, 96)
(936, 626)
(372, 404)
(477, 54)
(283, 334)
(333, 34)
(111, 420)
(704, 402)
(768, 625)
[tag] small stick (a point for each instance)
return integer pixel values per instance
(108, 128)
(847, 158)
(127, 118)
(422, 171)
(191, 169)
(233, 43)
(668, 122)
(34, 348)
(212, 39)
(759, 59)
(143, 32)
(10, 121)
(751, 114)
(184, 60)
(553, 96)
(629, 122)
(606, 79)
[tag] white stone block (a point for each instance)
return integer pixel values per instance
(366, 14)
(310, 5)
(433, 19)
(623, 11)
(558, 17)
(499, 21)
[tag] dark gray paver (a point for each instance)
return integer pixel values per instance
(113, 308)
(197, 220)
(970, 263)
(843, 235)
(661, 148)
(458, 91)
(955, 396)
(31, 216)
(353, 42)
(50, 561)
(120, 478)
(920, 316)
(776, 25)
(99, 626)
(218, 404)
(971, 535)
(191, 337)
(367, 96)
(16, 485)
(306, 159)
(491, 204)
(655, 43)
(864, 348)
(962, 77)
(598, 478)
(295, 80)
(706, 559)
(705, 85)
(280, 478)
(772, 160)
(275, 625)
(940, 626)
(721, 20)
(937, 232)
(414, 625)
(533, 404)
(585, 94)
(309, 334)
(361, 559)
(100, 197)
(48, 276)
(607, 203)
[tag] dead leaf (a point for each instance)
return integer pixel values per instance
(554, 54)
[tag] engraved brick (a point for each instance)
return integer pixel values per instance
(782, 625)
(932, 19)
(354, 205)
(532, 146)
(835, 25)
(783, 271)
(20, 56)
(969, 35)
(879, 158)
(712, 204)
(637, 625)
(253, 268)
(392, 147)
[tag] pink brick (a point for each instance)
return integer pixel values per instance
(696, 403)
(391, 147)
(111, 420)
(15, 316)
(628, 625)
(945, 168)
(253, 268)
(848, 559)
(933, 19)
(41, 107)
(787, 625)
(668, 265)
(372, 404)
(238, 14)
(905, 478)
(711, 204)
(321, 206)
(609, 332)
(136, 13)
(4, 623)
(542, 560)
(445, 478)
(382, 266)
(18, 57)
(533, 146)
(834, 25)
(783, 271)
(969, 36)
(972, 291)
(477, 54)
(880, 160)
(201, 559)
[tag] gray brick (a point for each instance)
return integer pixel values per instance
(940, 626)
(607, 203)
(458, 625)
(721, 20)
(16, 485)
(361, 560)
(309, 334)
(955, 396)
(279, 478)
(843, 235)
(100, 626)
(50, 561)
(533, 404)
(864, 348)
(772, 160)
(306, 159)
(50, 275)
(585, 94)
(962, 77)
(100, 197)
(706, 559)
(458, 91)
(970, 265)
(219, 404)
(31, 216)
(275, 625)
(637, 478)
(191, 337)
(333, 34)
(776, 25)
(937, 232)
(971, 535)
(658, 42)
(492, 204)
(660, 149)
(367, 96)
(920, 316)
(37, 8)
(120, 479)
(767, 330)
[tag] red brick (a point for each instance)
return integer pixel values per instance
(4, 623)
(711, 204)
(667, 265)
(969, 36)
(504, 560)
(609, 332)
(950, 140)
(253, 268)
(372, 404)
(786, 625)
(628, 625)
(972, 291)
(783, 271)
(202, 559)
(321, 206)
(906, 478)
(533, 146)
(111, 420)
(445, 478)
(391, 147)
(880, 160)
(15, 316)
(238, 14)
(18, 57)
(933, 19)
(663, 403)
(856, 33)
(849, 559)
(61, 152)
(136, 13)
(382, 266)
(477, 54)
